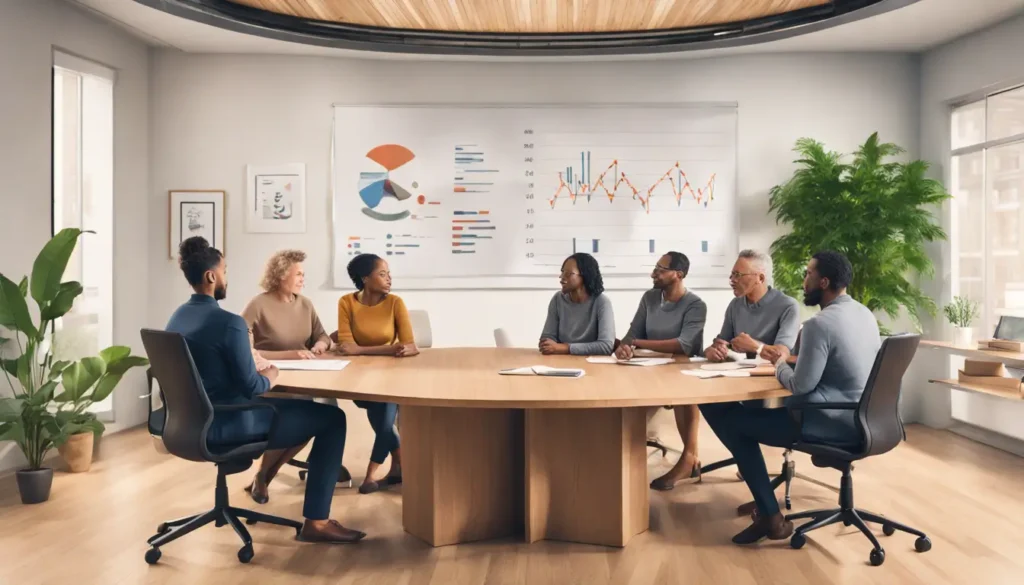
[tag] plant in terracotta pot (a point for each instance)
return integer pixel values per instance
(48, 400)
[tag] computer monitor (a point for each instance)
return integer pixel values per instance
(1010, 328)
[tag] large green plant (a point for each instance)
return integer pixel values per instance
(50, 397)
(876, 211)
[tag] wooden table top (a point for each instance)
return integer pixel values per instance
(468, 377)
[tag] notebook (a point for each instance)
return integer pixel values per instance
(543, 371)
(636, 361)
(311, 365)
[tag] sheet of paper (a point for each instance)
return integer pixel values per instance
(705, 374)
(723, 367)
(603, 359)
(527, 371)
(311, 365)
(543, 371)
(636, 361)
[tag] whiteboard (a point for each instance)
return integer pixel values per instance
(461, 196)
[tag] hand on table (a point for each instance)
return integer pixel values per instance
(624, 351)
(774, 353)
(406, 350)
(320, 348)
(551, 347)
(349, 348)
(271, 373)
(304, 354)
(718, 352)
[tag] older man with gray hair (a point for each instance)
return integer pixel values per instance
(759, 316)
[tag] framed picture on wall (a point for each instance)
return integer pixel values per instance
(196, 213)
(275, 199)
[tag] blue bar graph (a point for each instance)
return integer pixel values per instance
(704, 246)
(595, 246)
(652, 246)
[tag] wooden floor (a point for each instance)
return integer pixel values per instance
(968, 498)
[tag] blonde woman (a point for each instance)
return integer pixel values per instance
(284, 326)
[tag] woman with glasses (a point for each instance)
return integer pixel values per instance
(580, 319)
(670, 319)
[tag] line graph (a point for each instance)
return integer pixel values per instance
(578, 184)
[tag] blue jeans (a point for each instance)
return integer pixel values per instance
(743, 429)
(382, 418)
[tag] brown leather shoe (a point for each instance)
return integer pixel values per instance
(774, 528)
(330, 532)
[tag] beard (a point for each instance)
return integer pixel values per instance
(813, 297)
(220, 293)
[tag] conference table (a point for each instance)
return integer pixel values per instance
(489, 456)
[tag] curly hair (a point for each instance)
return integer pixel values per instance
(835, 267)
(590, 272)
(277, 266)
(196, 257)
(361, 267)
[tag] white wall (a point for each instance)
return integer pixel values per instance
(986, 60)
(213, 114)
(29, 31)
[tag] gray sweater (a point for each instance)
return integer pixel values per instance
(658, 319)
(773, 320)
(837, 351)
(588, 327)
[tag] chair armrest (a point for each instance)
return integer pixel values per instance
(826, 406)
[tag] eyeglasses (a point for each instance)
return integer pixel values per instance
(738, 275)
(660, 269)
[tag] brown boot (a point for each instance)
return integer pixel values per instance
(774, 528)
(328, 531)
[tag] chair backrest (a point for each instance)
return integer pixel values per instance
(502, 338)
(421, 328)
(878, 414)
(187, 409)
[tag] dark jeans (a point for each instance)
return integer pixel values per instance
(382, 419)
(743, 429)
(298, 421)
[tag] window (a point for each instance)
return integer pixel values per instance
(83, 197)
(987, 176)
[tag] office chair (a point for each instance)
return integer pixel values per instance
(188, 415)
(878, 420)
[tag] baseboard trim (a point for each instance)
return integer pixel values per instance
(988, 437)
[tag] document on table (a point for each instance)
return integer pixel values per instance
(704, 374)
(311, 365)
(637, 361)
(543, 371)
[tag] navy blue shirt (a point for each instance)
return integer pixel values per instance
(219, 343)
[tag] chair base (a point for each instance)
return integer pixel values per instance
(784, 477)
(851, 516)
(344, 478)
(222, 513)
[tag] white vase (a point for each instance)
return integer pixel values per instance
(964, 337)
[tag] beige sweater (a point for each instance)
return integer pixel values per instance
(277, 325)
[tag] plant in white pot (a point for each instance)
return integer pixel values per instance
(49, 397)
(961, 313)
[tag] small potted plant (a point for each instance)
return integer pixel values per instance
(961, 313)
(49, 398)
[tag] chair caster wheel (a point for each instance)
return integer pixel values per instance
(922, 544)
(245, 554)
(877, 557)
(219, 523)
(789, 505)
(153, 555)
(163, 528)
(302, 475)
(847, 523)
(798, 541)
(251, 521)
(888, 529)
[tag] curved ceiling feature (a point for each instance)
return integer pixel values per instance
(536, 16)
(526, 27)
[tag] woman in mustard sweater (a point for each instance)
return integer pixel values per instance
(372, 321)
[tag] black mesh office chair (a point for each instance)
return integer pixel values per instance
(187, 416)
(878, 420)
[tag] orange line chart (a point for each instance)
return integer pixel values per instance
(574, 185)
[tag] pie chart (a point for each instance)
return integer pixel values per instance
(384, 198)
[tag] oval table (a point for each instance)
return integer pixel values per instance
(489, 456)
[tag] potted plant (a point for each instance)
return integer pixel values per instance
(875, 211)
(49, 397)
(961, 314)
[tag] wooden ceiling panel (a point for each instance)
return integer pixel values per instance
(532, 16)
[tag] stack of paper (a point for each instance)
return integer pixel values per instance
(543, 371)
(311, 365)
(636, 361)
